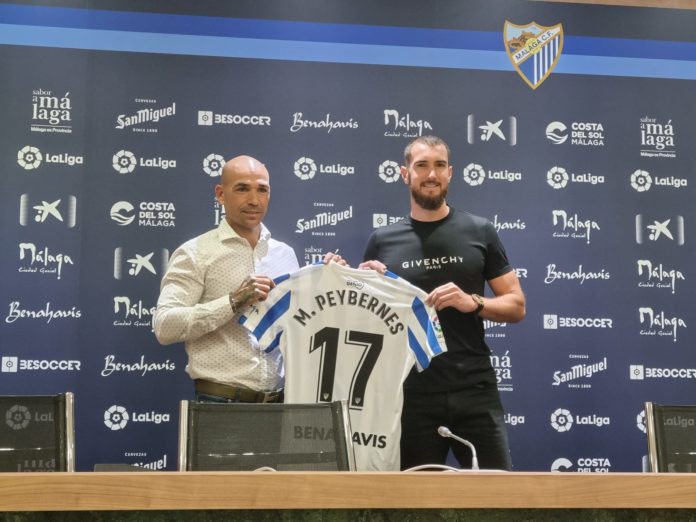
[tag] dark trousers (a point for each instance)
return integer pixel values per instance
(474, 414)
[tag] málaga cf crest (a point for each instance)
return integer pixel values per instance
(533, 50)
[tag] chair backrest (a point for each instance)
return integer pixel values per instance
(283, 437)
(37, 433)
(671, 437)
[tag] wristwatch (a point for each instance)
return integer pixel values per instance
(234, 303)
(479, 302)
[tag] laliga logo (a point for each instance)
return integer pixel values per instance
(116, 418)
(640, 421)
(474, 174)
(389, 171)
(561, 420)
(18, 417)
(641, 181)
(305, 168)
(29, 157)
(212, 165)
(124, 162)
(557, 177)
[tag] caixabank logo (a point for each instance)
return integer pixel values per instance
(664, 229)
(503, 130)
(117, 417)
(140, 264)
(35, 210)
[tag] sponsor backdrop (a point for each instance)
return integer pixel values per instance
(571, 129)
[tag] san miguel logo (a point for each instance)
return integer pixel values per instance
(533, 50)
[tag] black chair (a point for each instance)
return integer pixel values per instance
(279, 437)
(671, 437)
(37, 433)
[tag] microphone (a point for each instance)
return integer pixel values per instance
(445, 432)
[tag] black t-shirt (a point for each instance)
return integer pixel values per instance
(463, 249)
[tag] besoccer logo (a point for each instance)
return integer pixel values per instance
(9, 364)
(389, 171)
(116, 418)
(561, 420)
(124, 162)
(18, 417)
(474, 174)
(641, 180)
(305, 168)
(212, 165)
(29, 157)
(557, 177)
(205, 117)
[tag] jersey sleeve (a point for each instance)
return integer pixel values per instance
(266, 319)
(425, 338)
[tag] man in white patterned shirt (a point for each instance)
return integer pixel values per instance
(215, 276)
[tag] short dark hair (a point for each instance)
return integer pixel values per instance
(430, 141)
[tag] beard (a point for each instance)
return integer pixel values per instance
(429, 202)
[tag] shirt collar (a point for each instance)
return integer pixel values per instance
(226, 232)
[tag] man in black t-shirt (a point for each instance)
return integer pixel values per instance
(451, 255)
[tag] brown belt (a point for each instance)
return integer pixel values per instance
(236, 393)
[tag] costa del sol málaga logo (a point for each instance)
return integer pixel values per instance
(116, 418)
(124, 162)
(29, 157)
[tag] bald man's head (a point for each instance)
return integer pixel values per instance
(244, 191)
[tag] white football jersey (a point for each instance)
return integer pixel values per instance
(355, 335)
